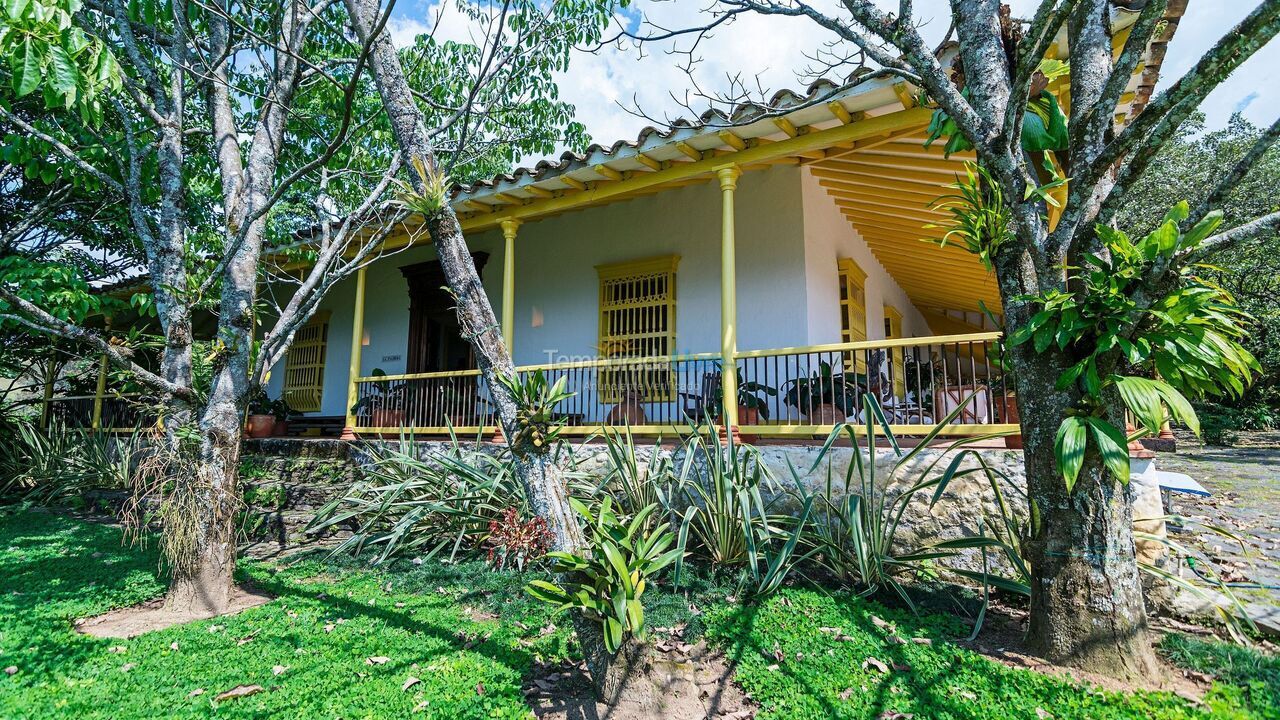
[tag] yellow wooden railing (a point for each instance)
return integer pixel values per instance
(668, 395)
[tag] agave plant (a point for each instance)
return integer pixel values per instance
(854, 528)
(408, 504)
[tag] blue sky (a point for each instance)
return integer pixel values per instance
(770, 51)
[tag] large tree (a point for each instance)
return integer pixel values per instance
(1085, 308)
(244, 145)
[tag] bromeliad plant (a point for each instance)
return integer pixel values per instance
(606, 583)
(535, 400)
(1187, 342)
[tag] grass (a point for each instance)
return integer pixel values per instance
(828, 673)
(331, 616)
(324, 624)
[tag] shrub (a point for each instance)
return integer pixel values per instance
(513, 540)
(606, 583)
(409, 504)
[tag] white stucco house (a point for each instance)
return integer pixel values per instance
(784, 252)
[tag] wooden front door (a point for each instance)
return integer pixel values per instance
(435, 343)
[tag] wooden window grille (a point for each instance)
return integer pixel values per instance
(304, 364)
(638, 320)
(853, 311)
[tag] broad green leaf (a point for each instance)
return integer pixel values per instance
(1113, 445)
(63, 74)
(1069, 448)
(15, 8)
(24, 65)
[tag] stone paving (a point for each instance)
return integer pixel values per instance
(1245, 482)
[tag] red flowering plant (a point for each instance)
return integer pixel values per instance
(515, 541)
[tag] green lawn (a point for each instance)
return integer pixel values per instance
(330, 618)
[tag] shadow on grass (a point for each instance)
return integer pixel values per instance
(52, 578)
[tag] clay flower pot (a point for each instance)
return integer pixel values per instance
(825, 414)
(281, 428)
(748, 416)
(1007, 406)
(260, 426)
(387, 417)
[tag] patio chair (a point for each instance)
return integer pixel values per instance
(697, 406)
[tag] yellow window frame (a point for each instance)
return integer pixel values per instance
(304, 365)
(897, 358)
(638, 319)
(853, 309)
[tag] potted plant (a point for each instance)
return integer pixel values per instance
(281, 411)
(261, 421)
(384, 403)
(824, 397)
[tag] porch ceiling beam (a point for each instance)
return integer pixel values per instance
(841, 169)
(786, 126)
(909, 224)
(950, 282)
(574, 183)
(854, 201)
(867, 161)
(538, 192)
(863, 186)
(791, 147)
(689, 151)
(911, 204)
(863, 145)
(648, 162)
(608, 172)
(919, 153)
(732, 140)
(882, 227)
(927, 255)
(949, 279)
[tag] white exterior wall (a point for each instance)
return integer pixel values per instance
(556, 278)
(828, 237)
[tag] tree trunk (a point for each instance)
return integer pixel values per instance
(207, 497)
(543, 476)
(1087, 608)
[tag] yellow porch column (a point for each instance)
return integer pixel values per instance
(728, 297)
(357, 340)
(509, 228)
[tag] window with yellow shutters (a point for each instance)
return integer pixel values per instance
(304, 365)
(638, 319)
(853, 310)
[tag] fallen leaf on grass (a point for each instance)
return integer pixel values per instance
(1043, 714)
(238, 692)
(409, 682)
(196, 693)
(11, 670)
(922, 641)
(479, 688)
(377, 660)
(173, 646)
(846, 693)
(279, 669)
(117, 649)
(894, 715)
(875, 663)
(127, 667)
